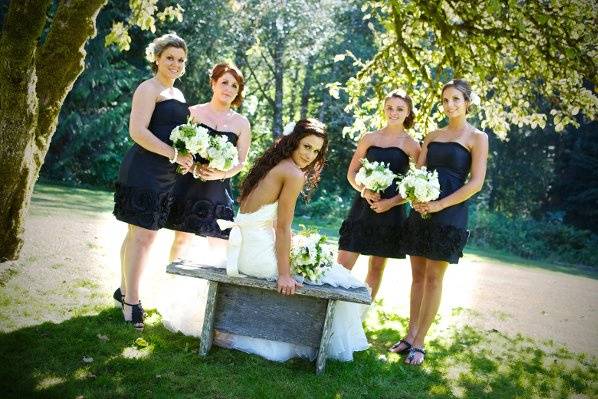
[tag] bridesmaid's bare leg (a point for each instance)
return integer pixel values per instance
(139, 243)
(123, 249)
(218, 248)
(376, 266)
(180, 245)
(429, 305)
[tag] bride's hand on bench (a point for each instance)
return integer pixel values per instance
(287, 285)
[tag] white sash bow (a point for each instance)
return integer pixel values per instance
(235, 239)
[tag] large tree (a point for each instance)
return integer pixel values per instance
(518, 55)
(41, 55)
(281, 39)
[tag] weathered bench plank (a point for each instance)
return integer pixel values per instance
(259, 313)
(357, 295)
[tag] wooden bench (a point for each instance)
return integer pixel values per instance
(252, 307)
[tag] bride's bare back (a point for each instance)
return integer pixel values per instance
(284, 176)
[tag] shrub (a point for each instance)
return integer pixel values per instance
(533, 239)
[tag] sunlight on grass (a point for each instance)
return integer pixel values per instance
(132, 352)
(48, 382)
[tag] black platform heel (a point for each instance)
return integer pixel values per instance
(119, 300)
(137, 315)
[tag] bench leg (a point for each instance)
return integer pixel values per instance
(207, 332)
(326, 332)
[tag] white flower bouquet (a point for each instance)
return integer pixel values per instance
(309, 257)
(419, 185)
(221, 154)
(189, 138)
(375, 176)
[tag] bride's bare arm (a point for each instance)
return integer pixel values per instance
(291, 187)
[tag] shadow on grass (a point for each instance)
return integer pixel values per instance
(483, 364)
(97, 356)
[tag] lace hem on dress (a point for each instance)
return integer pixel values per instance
(141, 206)
(434, 241)
(371, 239)
(199, 217)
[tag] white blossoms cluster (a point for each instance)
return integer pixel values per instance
(419, 185)
(221, 154)
(190, 138)
(375, 176)
(288, 128)
(309, 257)
(150, 53)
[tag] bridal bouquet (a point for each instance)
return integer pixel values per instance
(375, 176)
(310, 258)
(189, 138)
(221, 154)
(419, 185)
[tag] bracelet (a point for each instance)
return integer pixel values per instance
(176, 154)
(363, 191)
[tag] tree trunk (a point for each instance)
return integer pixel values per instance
(293, 96)
(34, 81)
(307, 82)
(278, 86)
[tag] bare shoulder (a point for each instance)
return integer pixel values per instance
(198, 108)
(241, 121)
(433, 134)
(411, 142)
(370, 138)
(413, 147)
(289, 172)
(148, 88)
(478, 137)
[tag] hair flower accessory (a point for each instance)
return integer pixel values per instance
(288, 128)
(474, 98)
(400, 92)
(150, 52)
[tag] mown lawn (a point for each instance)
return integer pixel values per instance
(90, 353)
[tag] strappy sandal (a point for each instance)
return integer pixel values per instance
(404, 350)
(412, 353)
(136, 315)
(119, 299)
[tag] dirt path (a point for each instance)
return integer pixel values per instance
(70, 266)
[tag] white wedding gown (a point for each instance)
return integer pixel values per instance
(251, 252)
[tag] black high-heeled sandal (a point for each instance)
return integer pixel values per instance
(136, 315)
(119, 299)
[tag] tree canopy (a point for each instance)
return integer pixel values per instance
(530, 62)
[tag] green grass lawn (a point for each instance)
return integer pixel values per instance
(93, 354)
(96, 356)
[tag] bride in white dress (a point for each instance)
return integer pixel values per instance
(259, 246)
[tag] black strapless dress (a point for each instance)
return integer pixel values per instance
(198, 204)
(444, 235)
(380, 234)
(143, 195)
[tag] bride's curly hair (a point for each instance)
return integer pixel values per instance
(282, 149)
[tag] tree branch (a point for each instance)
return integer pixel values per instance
(259, 86)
